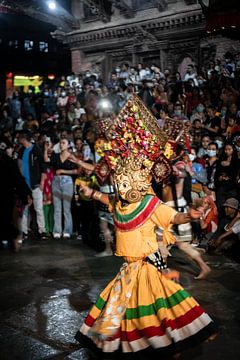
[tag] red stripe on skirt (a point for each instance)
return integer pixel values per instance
(151, 331)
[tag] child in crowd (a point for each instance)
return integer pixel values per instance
(87, 206)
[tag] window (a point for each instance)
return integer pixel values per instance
(43, 46)
(28, 45)
(13, 44)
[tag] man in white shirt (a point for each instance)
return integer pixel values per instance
(190, 74)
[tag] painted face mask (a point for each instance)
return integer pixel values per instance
(123, 185)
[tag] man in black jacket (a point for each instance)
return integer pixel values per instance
(11, 184)
(32, 167)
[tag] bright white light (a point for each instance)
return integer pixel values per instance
(52, 5)
(104, 104)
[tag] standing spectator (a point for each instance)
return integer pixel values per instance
(12, 184)
(15, 107)
(191, 74)
(79, 110)
(62, 188)
(87, 210)
(6, 122)
(32, 167)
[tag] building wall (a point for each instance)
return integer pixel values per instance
(164, 37)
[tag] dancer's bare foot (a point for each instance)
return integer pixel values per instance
(104, 253)
(204, 273)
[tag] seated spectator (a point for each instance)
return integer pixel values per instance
(230, 231)
(204, 146)
(226, 174)
(79, 110)
(209, 221)
(210, 166)
(212, 123)
(196, 133)
(198, 113)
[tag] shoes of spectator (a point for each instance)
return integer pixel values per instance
(66, 236)
(79, 237)
(4, 243)
(24, 236)
(56, 235)
(43, 236)
(104, 253)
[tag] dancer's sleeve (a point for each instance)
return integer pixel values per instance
(162, 217)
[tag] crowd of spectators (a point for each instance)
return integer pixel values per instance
(40, 131)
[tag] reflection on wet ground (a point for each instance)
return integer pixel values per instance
(47, 289)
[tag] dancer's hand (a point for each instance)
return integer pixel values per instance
(196, 213)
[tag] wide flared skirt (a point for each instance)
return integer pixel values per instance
(142, 310)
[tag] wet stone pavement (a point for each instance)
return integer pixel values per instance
(47, 289)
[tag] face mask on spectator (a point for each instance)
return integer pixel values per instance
(55, 94)
(211, 153)
(200, 108)
(46, 93)
(192, 157)
(200, 82)
(178, 112)
(63, 94)
(219, 143)
(223, 112)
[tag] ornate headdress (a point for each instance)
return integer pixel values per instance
(178, 133)
(135, 143)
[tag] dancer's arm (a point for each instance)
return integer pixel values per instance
(192, 214)
(94, 194)
(81, 163)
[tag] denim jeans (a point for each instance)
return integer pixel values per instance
(37, 196)
(62, 188)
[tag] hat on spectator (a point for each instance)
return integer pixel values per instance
(232, 203)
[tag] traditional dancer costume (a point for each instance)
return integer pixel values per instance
(141, 310)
